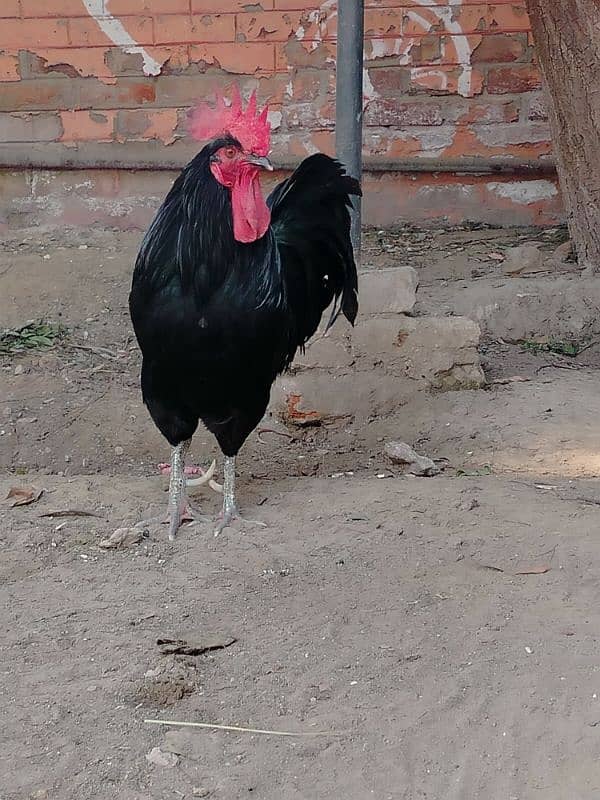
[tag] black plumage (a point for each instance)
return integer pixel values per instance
(216, 319)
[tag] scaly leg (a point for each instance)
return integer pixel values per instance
(177, 499)
(230, 511)
(178, 509)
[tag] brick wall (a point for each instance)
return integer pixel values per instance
(87, 83)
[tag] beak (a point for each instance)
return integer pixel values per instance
(260, 161)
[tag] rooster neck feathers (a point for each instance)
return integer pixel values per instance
(192, 240)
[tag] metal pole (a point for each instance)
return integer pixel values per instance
(349, 99)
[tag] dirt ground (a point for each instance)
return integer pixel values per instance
(441, 633)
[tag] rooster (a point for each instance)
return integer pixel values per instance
(227, 286)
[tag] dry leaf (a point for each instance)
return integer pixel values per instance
(534, 570)
(23, 495)
(122, 537)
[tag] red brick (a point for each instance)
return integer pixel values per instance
(281, 23)
(384, 22)
(120, 8)
(477, 18)
(391, 113)
(538, 109)
(174, 28)
(86, 31)
(292, 4)
(29, 127)
(471, 18)
(162, 124)
(307, 116)
(512, 80)
(57, 93)
(213, 28)
(18, 34)
(306, 85)
(499, 48)
(296, 54)
(272, 26)
(131, 124)
(421, 21)
(9, 8)
(143, 125)
(9, 68)
(240, 59)
(509, 17)
(430, 49)
(389, 79)
(491, 113)
(87, 126)
(229, 6)
(446, 80)
(52, 8)
(69, 62)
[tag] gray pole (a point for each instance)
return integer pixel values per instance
(349, 99)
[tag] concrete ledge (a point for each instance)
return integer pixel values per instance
(128, 199)
(386, 363)
(387, 291)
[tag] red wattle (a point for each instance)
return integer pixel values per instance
(251, 215)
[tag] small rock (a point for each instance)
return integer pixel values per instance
(563, 252)
(528, 650)
(402, 453)
(39, 794)
(160, 759)
(525, 258)
(200, 791)
(19, 369)
(468, 504)
(119, 451)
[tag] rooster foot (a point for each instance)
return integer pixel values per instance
(231, 515)
(186, 515)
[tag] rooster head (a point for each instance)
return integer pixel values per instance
(239, 143)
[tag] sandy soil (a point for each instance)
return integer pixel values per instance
(391, 613)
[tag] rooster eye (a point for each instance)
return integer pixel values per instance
(229, 152)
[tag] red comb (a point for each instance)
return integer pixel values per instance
(250, 128)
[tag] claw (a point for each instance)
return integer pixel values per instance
(205, 476)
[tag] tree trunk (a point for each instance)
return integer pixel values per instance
(567, 41)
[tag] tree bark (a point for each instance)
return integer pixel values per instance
(567, 42)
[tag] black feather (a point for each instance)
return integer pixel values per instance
(217, 320)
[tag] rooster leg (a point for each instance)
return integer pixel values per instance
(178, 506)
(230, 511)
(179, 510)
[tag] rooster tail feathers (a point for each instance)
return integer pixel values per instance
(310, 218)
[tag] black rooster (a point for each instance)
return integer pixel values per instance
(226, 287)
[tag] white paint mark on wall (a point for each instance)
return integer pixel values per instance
(400, 47)
(275, 118)
(524, 192)
(461, 42)
(114, 29)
